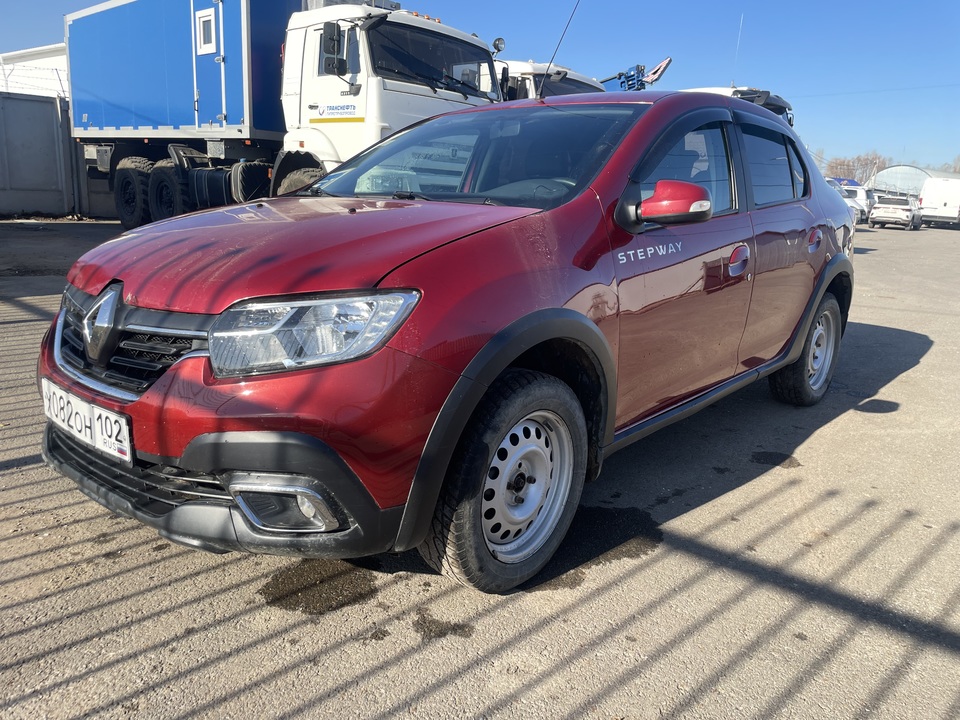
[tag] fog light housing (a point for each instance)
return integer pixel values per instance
(283, 508)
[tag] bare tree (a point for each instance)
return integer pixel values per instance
(860, 168)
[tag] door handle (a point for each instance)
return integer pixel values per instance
(739, 259)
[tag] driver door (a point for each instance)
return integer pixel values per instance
(683, 303)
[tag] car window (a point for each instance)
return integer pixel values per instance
(799, 172)
(899, 202)
(770, 173)
(700, 157)
(538, 157)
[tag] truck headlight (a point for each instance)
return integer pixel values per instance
(266, 337)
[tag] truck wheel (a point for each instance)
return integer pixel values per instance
(805, 381)
(297, 179)
(250, 180)
(167, 194)
(513, 486)
(871, 225)
(130, 185)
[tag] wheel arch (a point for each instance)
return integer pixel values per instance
(288, 162)
(558, 342)
(837, 279)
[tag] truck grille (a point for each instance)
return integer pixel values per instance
(154, 489)
(142, 343)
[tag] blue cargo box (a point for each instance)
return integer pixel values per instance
(177, 69)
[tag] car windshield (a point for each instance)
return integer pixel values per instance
(533, 156)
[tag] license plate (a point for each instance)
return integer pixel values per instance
(101, 429)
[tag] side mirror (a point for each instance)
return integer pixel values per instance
(332, 38)
(674, 202)
(334, 66)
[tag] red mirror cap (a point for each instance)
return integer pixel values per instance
(676, 201)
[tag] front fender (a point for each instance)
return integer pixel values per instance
(501, 352)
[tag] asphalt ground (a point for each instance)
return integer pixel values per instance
(754, 561)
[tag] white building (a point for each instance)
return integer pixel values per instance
(903, 180)
(35, 71)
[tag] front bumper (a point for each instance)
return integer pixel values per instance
(193, 501)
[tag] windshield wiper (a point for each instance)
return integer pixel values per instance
(406, 195)
(430, 82)
(452, 83)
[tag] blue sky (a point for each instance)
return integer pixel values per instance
(861, 76)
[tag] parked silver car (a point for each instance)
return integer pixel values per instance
(903, 211)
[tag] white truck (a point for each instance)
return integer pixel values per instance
(521, 79)
(940, 201)
(354, 74)
(186, 104)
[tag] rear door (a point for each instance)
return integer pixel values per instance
(789, 229)
(208, 69)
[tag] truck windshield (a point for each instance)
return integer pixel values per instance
(537, 157)
(561, 86)
(432, 59)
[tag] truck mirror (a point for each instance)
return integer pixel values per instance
(332, 38)
(334, 66)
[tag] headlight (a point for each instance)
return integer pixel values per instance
(266, 337)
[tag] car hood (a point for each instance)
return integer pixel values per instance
(205, 262)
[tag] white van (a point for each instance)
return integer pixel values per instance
(940, 201)
(864, 196)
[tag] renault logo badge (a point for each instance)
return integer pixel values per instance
(98, 324)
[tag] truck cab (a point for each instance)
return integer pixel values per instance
(526, 79)
(355, 73)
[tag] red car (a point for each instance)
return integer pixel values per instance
(435, 345)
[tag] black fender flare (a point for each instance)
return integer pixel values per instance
(500, 352)
(837, 266)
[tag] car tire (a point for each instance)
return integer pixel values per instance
(805, 381)
(513, 486)
(871, 225)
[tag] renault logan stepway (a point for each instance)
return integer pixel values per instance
(437, 344)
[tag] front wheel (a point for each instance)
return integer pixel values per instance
(805, 381)
(297, 179)
(514, 484)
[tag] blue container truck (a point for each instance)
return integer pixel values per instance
(180, 98)
(199, 103)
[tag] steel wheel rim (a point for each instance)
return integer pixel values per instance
(538, 447)
(128, 195)
(165, 199)
(822, 347)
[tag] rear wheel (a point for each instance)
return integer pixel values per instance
(805, 381)
(130, 186)
(167, 194)
(513, 486)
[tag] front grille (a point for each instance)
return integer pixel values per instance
(144, 343)
(153, 489)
